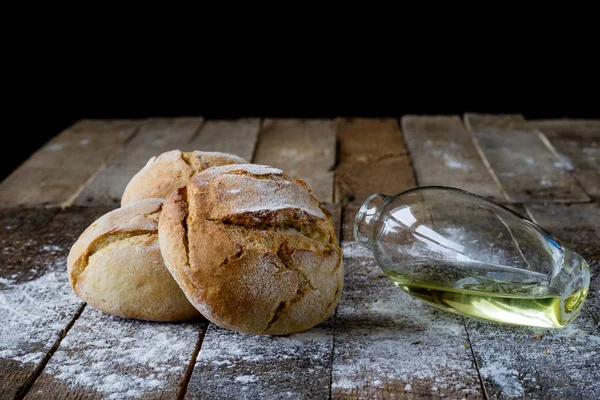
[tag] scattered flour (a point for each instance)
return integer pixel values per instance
(507, 379)
(452, 156)
(230, 359)
(354, 250)
(51, 248)
(564, 163)
(516, 359)
(115, 357)
(5, 281)
(546, 181)
(55, 146)
(246, 378)
(32, 314)
(451, 162)
(384, 336)
(123, 358)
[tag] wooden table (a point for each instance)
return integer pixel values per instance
(380, 343)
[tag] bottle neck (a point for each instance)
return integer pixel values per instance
(366, 218)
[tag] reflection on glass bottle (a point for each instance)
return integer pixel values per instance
(466, 254)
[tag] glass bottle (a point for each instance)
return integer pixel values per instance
(466, 254)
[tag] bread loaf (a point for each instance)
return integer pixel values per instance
(116, 266)
(253, 250)
(171, 170)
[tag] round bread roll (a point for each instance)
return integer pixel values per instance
(253, 250)
(171, 170)
(116, 266)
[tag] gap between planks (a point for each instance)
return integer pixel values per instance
(26, 387)
(190, 368)
(526, 165)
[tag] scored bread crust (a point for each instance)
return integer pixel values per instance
(171, 170)
(117, 267)
(253, 250)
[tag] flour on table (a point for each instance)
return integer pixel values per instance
(111, 356)
(230, 361)
(384, 337)
(122, 358)
(33, 313)
(515, 359)
(453, 163)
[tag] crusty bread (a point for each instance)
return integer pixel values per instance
(116, 266)
(171, 170)
(253, 250)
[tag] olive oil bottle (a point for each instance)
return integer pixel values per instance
(468, 255)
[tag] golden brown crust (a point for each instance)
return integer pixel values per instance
(262, 255)
(171, 170)
(116, 266)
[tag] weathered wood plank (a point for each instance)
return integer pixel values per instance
(476, 122)
(576, 226)
(578, 146)
(154, 137)
(526, 168)
(56, 173)
(372, 158)
(233, 365)
(367, 139)
(388, 345)
(302, 149)
(443, 154)
(533, 362)
(104, 356)
(566, 125)
(355, 182)
(228, 136)
(36, 300)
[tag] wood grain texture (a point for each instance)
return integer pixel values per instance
(372, 157)
(104, 356)
(577, 227)
(304, 149)
(578, 146)
(567, 124)
(388, 345)
(476, 122)
(37, 302)
(526, 168)
(536, 363)
(366, 139)
(443, 154)
(154, 137)
(56, 173)
(228, 136)
(236, 365)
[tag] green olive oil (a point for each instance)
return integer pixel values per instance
(502, 294)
